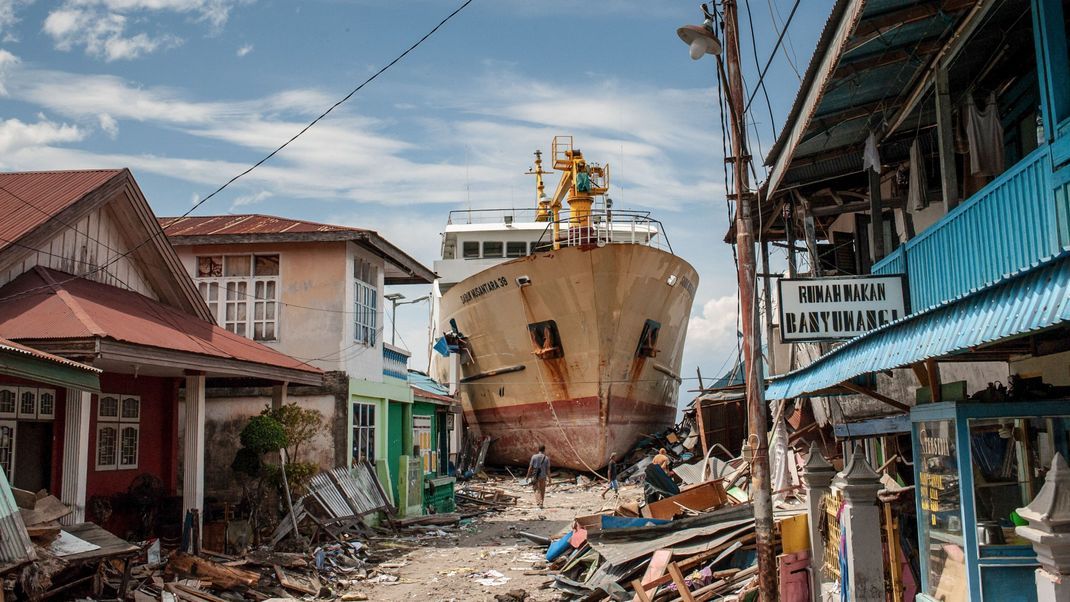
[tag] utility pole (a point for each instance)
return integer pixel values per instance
(702, 40)
(757, 412)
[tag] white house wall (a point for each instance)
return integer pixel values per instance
(90, 242)
(312, 282)
(361, 361)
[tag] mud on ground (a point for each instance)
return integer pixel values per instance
(443, 568)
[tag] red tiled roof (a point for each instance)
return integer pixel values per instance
(221, 225)
(6, 345)
(59, 306)
(29, 199)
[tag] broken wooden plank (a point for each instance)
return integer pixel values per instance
(681, 585)
(309, 584)
(219, 575)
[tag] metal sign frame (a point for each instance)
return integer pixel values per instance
(824, 339)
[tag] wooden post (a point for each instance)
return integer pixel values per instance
(768, 290)
(810, 235)
(789, 234)
(876, 216)
(945, 133)
(701, 426)
(935, 394)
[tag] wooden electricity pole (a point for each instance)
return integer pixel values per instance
(757, 412)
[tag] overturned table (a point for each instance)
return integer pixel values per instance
(108, 547)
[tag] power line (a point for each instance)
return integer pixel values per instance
(272, 153)
(779, 39)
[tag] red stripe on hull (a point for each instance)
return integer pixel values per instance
(578, 433)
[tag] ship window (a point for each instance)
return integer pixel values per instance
(648, 340)
(492, 249)
(471, 249)
(516, 249)
(546, 340)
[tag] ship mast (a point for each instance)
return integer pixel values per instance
(543, 213)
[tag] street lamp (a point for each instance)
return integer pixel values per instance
(393, 298)
(702, 40)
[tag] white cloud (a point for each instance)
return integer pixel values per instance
(16, 135)
(7, 62)
(244, 50)
(712, 334)
(102, 34)
(108, 125)
(249, 199)
(100, 27)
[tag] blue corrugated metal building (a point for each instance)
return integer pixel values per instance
(963, 110)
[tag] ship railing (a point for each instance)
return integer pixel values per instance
(604, 228)
(511, 215)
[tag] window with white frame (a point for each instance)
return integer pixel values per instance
(365, 301)
(421, 435)
(118, 431)
(364, 431)
(242, 292)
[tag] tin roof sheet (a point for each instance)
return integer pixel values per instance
(29, 199)
(1032, 300)
(222, 225)
(12, 346)
(47, 304)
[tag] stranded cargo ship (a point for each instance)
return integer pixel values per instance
(571, 319)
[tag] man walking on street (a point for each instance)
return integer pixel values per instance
(611, 472)
(539, 473)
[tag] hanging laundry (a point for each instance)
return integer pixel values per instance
(984, 133)
(871, 159)
(916, 198)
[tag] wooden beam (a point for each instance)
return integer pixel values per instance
(921, 374)
(681, 585)
(875, 27)
(945, 134)
(876, 215)
(850, 386)
(889, 57)
(934, 379)
(809, 233)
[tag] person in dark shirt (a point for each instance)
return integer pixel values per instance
(539, 473)
(613, 470)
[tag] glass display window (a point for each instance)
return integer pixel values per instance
(940, 499)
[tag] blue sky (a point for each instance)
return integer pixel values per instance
(187, 93)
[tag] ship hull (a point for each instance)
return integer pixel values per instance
(602, 393)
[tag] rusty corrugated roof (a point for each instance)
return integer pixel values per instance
(48, 304)
(29, 199)
(222, 225)
(6, 345)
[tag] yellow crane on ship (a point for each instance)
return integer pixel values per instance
(580, 182)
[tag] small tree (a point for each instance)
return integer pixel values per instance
(300, 426)
(261, 435)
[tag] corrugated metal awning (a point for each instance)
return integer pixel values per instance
(1023, 303)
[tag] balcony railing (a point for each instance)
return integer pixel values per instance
(1012, 223)
(395, 362)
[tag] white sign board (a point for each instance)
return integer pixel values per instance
(829, 309)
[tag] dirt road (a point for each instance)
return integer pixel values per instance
(451, 567)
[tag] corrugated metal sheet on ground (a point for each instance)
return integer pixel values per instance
(15, 544)
(1032, 300)
(622, 545)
